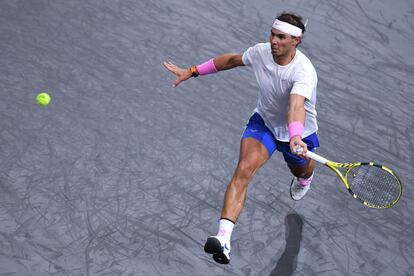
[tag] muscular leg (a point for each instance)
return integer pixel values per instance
(252, 156)
(302, 171)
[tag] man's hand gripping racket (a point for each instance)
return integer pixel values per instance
(374, 185)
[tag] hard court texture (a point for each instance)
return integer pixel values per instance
(124, 175)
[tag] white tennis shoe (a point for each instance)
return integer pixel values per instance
(300, 186)
(219, 247)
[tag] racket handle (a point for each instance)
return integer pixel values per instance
(316, 157)
(312, 155)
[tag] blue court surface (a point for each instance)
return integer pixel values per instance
(124, 175)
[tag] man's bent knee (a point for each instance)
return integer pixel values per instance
(248, 166)
(246, 169)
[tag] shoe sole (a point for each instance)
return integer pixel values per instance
(214, 247)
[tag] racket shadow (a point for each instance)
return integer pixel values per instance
(287, 263)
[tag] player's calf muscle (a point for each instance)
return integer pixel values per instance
(302, 171)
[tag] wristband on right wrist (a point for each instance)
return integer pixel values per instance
(206, 68)
(194, 71)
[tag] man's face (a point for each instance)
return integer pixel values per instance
(282, 43)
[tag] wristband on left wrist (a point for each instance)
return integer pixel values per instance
(295, 128)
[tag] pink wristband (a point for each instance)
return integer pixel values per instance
(295, 128)
(207, 67)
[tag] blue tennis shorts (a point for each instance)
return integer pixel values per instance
(257, 129)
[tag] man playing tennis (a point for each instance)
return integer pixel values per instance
(285, 118)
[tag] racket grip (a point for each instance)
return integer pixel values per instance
(316, 157)
(312, 155)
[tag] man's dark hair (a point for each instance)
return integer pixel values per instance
(293, 19)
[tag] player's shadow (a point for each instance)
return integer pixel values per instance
(287, 263)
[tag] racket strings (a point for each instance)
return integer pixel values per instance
(374, 185)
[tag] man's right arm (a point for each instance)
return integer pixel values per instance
(220, 63)
(228, 61)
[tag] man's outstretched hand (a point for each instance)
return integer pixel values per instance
(182, 74)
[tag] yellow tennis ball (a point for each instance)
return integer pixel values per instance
(43, 99)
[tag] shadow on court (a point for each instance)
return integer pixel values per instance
(287, 263)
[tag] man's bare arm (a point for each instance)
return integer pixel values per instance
(223, 62)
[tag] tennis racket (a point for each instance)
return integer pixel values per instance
(374, 185)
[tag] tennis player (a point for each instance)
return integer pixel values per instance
(284, 118)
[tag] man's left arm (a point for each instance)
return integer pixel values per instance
(296, 121)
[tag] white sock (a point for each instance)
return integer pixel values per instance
(225, 229)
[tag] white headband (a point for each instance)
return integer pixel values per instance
(287, 28)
